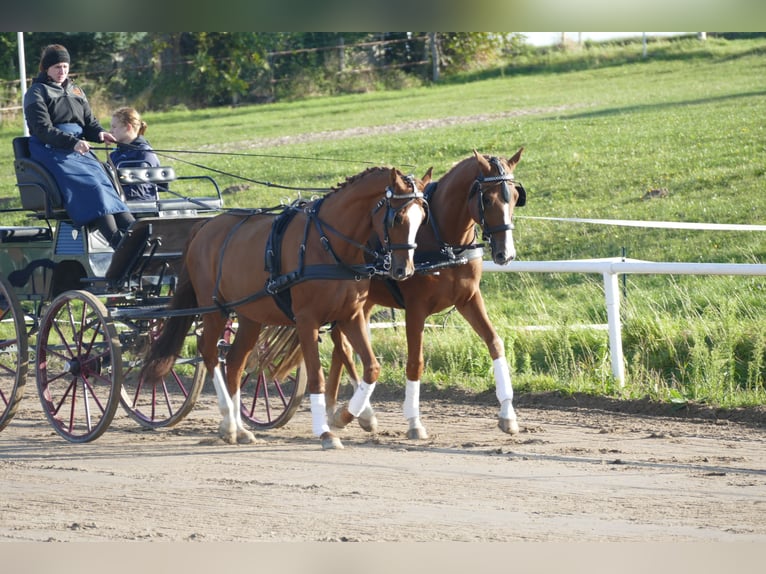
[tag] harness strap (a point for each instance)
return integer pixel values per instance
(448, 255)
(322, 225)
(278, 284)
(283, 283)
(225, 310)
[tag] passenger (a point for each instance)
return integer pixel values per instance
(133, 151)
(61, 123)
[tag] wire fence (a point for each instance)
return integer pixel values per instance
(413, 54)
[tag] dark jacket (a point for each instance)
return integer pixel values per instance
(59, 116)
(47, 104)
(137, 153)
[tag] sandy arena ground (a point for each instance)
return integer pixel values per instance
(581, 470)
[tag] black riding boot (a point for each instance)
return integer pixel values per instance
(117, 238)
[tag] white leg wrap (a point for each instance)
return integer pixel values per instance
(506, 410)
(361, 398)
(224, 400)
(236, 405)
(318, 415)
(503, 388)
(411, 406)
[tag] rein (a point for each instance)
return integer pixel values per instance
(165, 153)
(232, 153)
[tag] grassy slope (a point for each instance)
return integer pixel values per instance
(600, 128)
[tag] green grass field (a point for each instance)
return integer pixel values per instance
(601, 128)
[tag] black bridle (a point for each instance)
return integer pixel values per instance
(483, 183)
(390, 218)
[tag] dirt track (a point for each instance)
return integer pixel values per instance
(574, 473)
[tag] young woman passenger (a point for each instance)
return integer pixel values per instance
(133, 151)
(61, 123)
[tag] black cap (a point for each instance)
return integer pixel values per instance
(53, 55)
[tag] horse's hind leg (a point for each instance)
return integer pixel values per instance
(308, 334)
(343, 357)
(207, 344)
(415, 324)
(356, 331)
(236, 358)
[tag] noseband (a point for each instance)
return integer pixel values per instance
(479, 188)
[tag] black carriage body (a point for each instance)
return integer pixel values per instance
(45, 260)
(89, 312)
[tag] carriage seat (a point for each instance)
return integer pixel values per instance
(38, 189)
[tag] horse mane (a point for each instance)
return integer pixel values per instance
(458, 164)
(358, 176)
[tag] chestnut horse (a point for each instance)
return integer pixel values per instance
(304, 266)
(477, 190)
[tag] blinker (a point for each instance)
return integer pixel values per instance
(522, 200)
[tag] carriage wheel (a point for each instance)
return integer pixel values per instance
(274, 380)
(14, 353)
(165, 402)
(79, 366)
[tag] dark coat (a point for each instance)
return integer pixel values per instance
(47, 104)
(58, 116)
(137, 153)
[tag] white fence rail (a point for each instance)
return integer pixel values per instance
(611, 269)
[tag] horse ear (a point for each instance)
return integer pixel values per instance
(427, 177)
(394, 177)
(483, 163)
(516, 158)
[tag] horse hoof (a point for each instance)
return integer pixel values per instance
(417, 433)
(341, 418)
(245, 437)
(229, 438)
(368, 421)
(331, 442)
(416, 430)
(228, 433)
(509, 426)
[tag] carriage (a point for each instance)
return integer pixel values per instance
(78, 316)
(95, 312)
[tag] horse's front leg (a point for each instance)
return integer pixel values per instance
(359, 404)
(308, 335)
(476, 314)
(415, 323)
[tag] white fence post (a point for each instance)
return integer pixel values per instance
(611, 268)
(612, 292)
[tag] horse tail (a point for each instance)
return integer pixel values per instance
(164, 350)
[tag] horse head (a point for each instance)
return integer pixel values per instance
(396, 220)
(496, 195)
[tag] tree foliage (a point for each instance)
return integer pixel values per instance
(197, 69)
